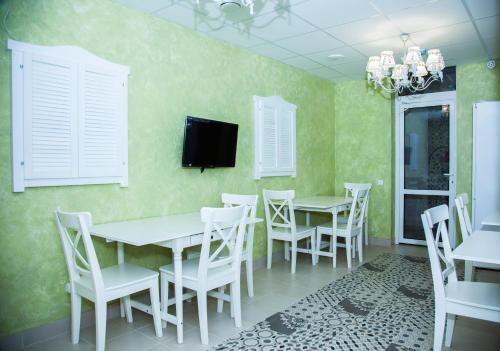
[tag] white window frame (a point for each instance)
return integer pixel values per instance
(81, 58)
(280, 106)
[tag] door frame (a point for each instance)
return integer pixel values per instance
(402, 103)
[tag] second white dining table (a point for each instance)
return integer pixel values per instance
(176, 232)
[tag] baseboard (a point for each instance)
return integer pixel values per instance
(48, 331)
(379, 241)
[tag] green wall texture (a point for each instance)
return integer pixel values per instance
(174, 72)
(363, 148)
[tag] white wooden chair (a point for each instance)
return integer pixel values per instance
(213, 270)
(231, 200)
(349, 189)
(351, 230)
(453, 297)
(280, 223)
(461, 202)
(98, 285)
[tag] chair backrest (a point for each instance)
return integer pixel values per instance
(358, 208)
(461, 203)
(442, 265)
(228, 224)
(232, 200)
(278, 207)
(74, 230)
(349, 192)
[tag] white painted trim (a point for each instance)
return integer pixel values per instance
(413, 101)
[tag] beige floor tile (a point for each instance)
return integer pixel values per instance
(131, 341)
(60, 343)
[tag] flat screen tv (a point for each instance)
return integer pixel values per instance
(209, 143)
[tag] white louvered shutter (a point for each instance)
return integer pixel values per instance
(100, 123)
(269, 138)
(50, 112)
(69, 117)
(274, 137)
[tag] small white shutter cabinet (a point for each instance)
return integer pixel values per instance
(69, 117)
(275, 145)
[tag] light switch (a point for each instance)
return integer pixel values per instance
(380, 182)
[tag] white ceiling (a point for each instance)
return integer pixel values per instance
(303, 33)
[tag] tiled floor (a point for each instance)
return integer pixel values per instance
(274, 290)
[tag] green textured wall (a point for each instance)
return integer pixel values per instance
(174, 72)
(475, 82)
(363, 148)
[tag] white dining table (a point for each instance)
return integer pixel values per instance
(176, 232)
(492, 219)
(322, 204)
(481, 247)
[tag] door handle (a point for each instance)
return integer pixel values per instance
(448, 174)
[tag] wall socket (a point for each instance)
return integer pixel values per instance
(380, 182)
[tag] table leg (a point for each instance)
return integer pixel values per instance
(308, 245)
(177, 250)
(120, 251)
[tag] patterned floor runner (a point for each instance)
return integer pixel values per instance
(386, 304)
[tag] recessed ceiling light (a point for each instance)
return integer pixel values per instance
(336, 56)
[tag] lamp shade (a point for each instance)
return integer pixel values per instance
(387, 59)
(413, 55)
(421, 71)
(399, 72)
(373, 64)
(435, 62)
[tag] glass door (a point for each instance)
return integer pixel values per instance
(425, 161)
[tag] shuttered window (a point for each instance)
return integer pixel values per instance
(274, 137)
(69, 117)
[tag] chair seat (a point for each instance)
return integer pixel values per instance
(120, 276)
(341, 229)
(302, 231)
(190, 270)
(476, 294)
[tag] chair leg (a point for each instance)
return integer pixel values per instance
(318, 244)
(269, 252)
(439, 322)
(155, 306)
(220, 302)
(76, 312)
(360, 248)
(100, 324)
(294, 255)
(348, 242)
(469, 271)
(249, 265)
(313, 248)
(202, 315)
(332, 243)
(128, 309)
(236, 302)
(450, 325)
(365, 232)
(334, 249)
(353, 248)
(164, 296)
(286, 247)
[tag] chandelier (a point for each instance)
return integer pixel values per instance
(383, 72)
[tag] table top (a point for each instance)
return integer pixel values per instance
(321, 202)
(492, 219)
(139, 232)
(482, 246)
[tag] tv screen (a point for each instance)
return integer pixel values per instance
(209, 143)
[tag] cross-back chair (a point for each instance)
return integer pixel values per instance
(100, 286)
(213, 268)
(350, 230)
(281, 225)
(452, 297)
